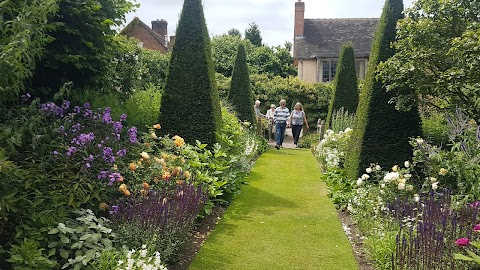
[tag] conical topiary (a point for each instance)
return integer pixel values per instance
(381, 133)
(190, 105)
(345, 87)
(240, 94)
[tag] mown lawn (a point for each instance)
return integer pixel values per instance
(282, 220)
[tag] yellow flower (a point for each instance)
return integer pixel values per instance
(126, 193)
(157, 126)
(395, 168)
(103, 206)
(145, 155)
(154, 136)
(157, 160)
(443, 171)
(122, 187)
(178, 140)
(187, 174)
(166, 176)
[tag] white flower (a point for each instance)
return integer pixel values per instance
(359, 182)
(347, 130)
(433, 179)
(401, 186)
(402, 181)
(391, 176)
(419, 140)
(369, 170)
(395, 168)
(382, 185)
(416, 198)
(409, 188)
(435, 186)
(365, 176)
(407, 164)
(407, 176)
(378, 168)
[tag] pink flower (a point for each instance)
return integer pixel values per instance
(477, 228)
(475, 204)
(462, 242)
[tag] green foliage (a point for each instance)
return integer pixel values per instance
(433, 127)
(29, 255)
(83, 43)
(314, 97)
(190, 104)
(341, 120)
(234, 32)
(23, 27)
(437, 51)
(309, 140)
(240, 93)
(339, 188)
(381, 133)
(78, 242)
(253, 34)
(345, 87)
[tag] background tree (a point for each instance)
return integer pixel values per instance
(234, 32)
(252, 33)
(381, 133)
(79, 51)
(224, 49)
(240, 93)
(190, 105)
(437, 50)
(345, 87)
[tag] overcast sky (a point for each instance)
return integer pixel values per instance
(274, 17)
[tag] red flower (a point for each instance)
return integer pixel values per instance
(462, 242)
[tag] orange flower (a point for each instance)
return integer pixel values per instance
(146, 185)
(132, 166)
(144, 192)
(120, 179)
(166, 176)
(157, 126)
(127, 193)
(103, 206)
(180, 182)
(178, 141)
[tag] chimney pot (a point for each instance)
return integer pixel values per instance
(161, 28)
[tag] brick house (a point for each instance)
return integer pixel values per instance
(154, 38)
(317, 44)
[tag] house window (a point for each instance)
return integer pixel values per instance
(328, 70)
(360, 68)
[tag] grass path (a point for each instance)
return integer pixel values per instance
(281, 220)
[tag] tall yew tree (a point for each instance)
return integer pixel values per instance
(240, 93)
(190, 105)
(381, 133)
(345, 89)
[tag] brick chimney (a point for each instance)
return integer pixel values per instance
(299, 19)
(160, 27)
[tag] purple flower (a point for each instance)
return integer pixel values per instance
(123, 117)
(90, 158)
(61, 129)
(115, 210)
(75, 128)
(55, 152)
(86, 105)
(103, 174)
(71, 150)
(462, 242)
(88, 113)
(108, 155)
(114, 177)
(107, 118)
(478, 134)
(132, 135)
(26, 97)
(117, 127)
(88, 165)
(76, 109)
(83, 139)
(121, 152)
(66, 104)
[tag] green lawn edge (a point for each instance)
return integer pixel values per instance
(282, 220)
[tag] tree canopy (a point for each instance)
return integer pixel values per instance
(437, 50)
(253, 34)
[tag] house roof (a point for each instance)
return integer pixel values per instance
(136, 21)
(323, 38)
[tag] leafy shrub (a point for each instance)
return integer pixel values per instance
(78, 242)
(345, 87)
(29, 255)
(330, 152)
(162, 220)
(190, 105)
(309, 140)
(341, 120)
(433, 127)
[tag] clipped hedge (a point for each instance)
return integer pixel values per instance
(381, 133)
(345, 86)
(240, 93)
(190, 105)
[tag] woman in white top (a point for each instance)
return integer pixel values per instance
(270, 112)
(297, 118)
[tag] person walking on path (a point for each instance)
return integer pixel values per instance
(296, 120)
(269, 114)
(280, 117)
(256, 107)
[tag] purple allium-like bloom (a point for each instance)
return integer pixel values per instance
(115, 210)
(121, 152)
(132, 135)
(71, 150)
(103, 174)
(123, 117)
(114, 177)
(108, 155)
